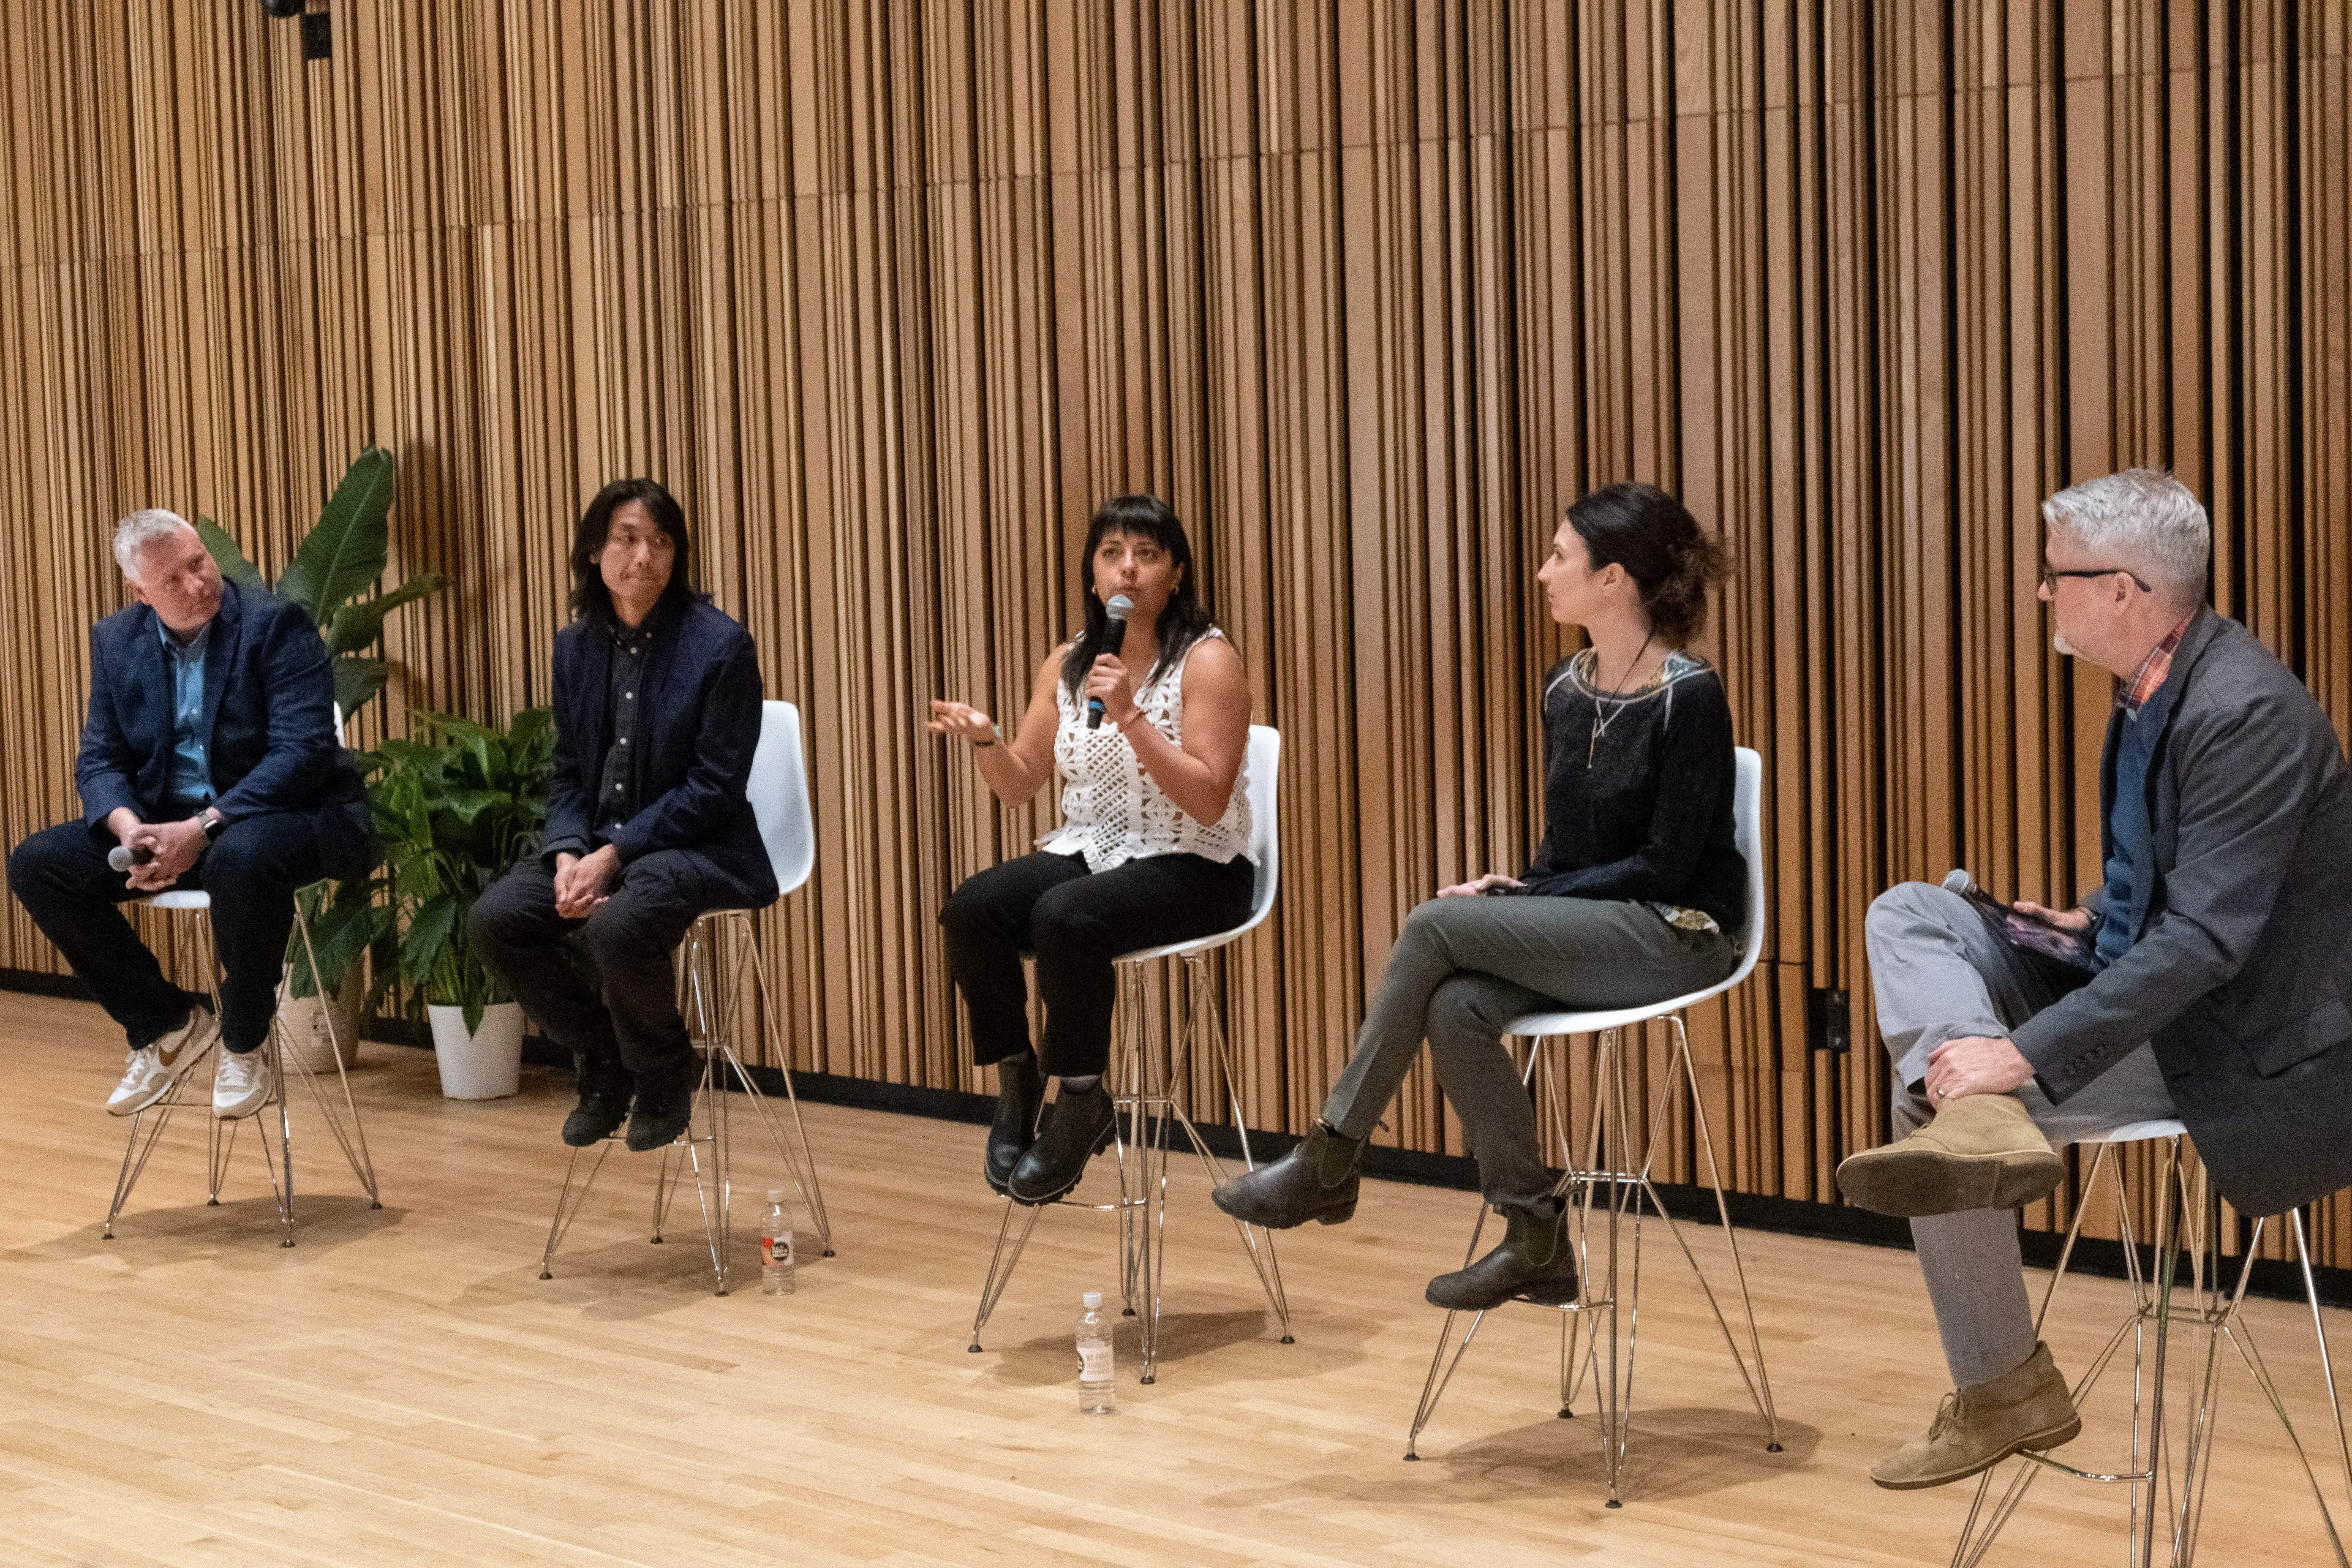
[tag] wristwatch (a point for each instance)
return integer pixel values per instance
(212, 822)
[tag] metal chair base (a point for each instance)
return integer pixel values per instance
(2165, 1478)
(723, 943)
(191, 941)
(1141, 1132)
(1609, 1186)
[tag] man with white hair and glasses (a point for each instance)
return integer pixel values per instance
(2205, 978)
(210, 760)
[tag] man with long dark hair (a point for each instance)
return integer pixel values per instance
(656, 718)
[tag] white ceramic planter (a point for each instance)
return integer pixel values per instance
(305, 1019)
(485, 1064)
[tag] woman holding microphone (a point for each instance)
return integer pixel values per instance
(1145, 715)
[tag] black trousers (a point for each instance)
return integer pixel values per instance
(251, 871)
(1076, 922)
(617, 1011)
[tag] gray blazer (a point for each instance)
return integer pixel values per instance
(2238, 977)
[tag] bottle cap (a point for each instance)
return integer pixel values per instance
(1092, 1299)
(775, 1194)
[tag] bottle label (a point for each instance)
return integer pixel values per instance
(1094, 1362)
(776, 1250)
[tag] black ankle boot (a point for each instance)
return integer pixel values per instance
(1537, 1261)
(1316, 1180)
(663, 1108)
(1020, 1094)
(1078, 1125)
(604, 1090)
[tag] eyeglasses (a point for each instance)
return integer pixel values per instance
(2049, 575)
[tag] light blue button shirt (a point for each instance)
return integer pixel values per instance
(188, 785)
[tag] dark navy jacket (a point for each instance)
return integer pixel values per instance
(267, 724)
(699, 725)
(2239, 972)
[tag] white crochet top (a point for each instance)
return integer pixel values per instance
(1112, 811)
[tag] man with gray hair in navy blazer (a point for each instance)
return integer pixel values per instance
(209, 760)
(2204, 977)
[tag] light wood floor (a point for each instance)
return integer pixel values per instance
(402, 1388)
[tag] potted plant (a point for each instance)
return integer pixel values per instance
(333, 577)
(452, 815)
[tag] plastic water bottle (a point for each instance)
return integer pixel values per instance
(1097, 1395)
(776, 1247)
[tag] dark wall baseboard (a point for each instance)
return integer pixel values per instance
(1789, 1217)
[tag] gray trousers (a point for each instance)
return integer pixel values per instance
(1939, 975)
(1465, 967)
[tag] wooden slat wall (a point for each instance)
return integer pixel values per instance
(891, 294)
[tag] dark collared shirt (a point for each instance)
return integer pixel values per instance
(616, 781)
(2124, 896)
(188, 784)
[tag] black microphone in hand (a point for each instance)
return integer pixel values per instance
(1114, 636)
(122, 856)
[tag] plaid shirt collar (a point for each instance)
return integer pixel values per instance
(2152, 669)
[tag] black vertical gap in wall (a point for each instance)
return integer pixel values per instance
(1872, 295)
(2062, 690)
(2167, 378)
(1670, 127)
(2203, 72)
(1820, 546)
(1196, 180)
(2290, 185)
(1954, 520)
(2232, 504)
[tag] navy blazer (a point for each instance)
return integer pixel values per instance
(2242, 972)
(701, 724)
(267, 724)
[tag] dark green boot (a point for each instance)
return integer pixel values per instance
(1316, 1180)
(1537, 1261)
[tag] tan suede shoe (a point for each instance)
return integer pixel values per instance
(1982, 1151)
(1981, 1425)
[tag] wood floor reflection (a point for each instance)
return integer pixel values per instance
(401, 1387)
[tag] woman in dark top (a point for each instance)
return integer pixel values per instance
(1634, 895)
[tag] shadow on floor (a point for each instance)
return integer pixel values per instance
(237, 1233)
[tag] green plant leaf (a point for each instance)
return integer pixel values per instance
(228, 557)
(466, 805)
(474, 1011)
(345, 552)
(356, 626)
(429, 931)
(357, 681)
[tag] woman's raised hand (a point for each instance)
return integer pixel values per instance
(1469, 890)
(1108, 679)
(961, 719)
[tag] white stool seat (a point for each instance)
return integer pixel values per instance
(175, 898)
(2136, 1132)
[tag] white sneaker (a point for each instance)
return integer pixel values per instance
(241, 1083)
(151, 1070)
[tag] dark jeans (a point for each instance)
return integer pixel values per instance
(252, 870)
(1076, 922)
(623, 1015)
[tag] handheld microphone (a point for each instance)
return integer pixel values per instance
(1114, 635)
(122, 856)
(1958, 881)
